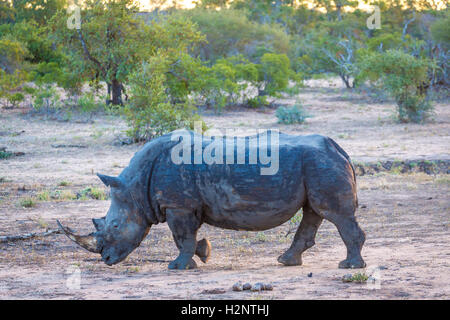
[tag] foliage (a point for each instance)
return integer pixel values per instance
(440, 30)
(5, 154)
(35, 39)
(405, 77)
(38, 10)
(291, 115)
(274, 73)
(229, 32)
(114, 40)
(12, 54)
(226, 83)
(10, 86)
(92, 193)
(150, 112)
(89, 104)
(46, 99)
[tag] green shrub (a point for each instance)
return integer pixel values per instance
(12, 73)
(405, 77)
(274, 74)
(92, 193)
(27, 202)
(5, 154)
(46, 99)
(291, 115)
(150, 111)
(226, 82)
(88, 103)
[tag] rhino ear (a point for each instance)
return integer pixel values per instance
(99, 224)
(109, 181)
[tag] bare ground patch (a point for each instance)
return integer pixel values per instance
(405, 215)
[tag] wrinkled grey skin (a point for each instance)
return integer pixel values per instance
(314, 174)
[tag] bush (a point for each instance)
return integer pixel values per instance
(46, 99)
(10, 86)
(150, 111)
(294, 114)
(226, 82)
(274, 73)
(88, 103)
(405, 77)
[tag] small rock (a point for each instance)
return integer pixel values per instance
(268, 287)
(247, 286)
(429, 198)
(237, 286)
(310, 275)
(347, 277)
(257, 287)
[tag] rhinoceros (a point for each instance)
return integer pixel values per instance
(314, 174)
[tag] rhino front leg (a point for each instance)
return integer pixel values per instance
(184, 226)
(303, 239)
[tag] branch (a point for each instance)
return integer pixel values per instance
(88, 54)
(28, 236)
(407, 22)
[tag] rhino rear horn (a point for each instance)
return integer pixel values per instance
(88, 242)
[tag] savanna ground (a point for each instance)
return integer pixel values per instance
(406, 217)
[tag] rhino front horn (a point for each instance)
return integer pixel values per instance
(88, 242)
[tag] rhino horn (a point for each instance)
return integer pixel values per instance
(88, 242)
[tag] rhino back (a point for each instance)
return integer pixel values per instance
(237, 196)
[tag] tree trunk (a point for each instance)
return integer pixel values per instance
(108, 96)
(346, 80)
(338, 9)
(116, 87)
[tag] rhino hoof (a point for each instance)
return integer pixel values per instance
(182, 263)
(203, 250)
(352, 264)
(290, 260)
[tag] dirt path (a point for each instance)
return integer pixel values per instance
(406, 216)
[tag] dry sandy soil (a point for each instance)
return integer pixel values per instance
(406, 217)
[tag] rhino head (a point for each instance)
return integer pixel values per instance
(121, 230)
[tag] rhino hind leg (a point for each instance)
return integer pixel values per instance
(303, 239)
(345, 221)
(354, 238)
(184, 226)
(203, 250)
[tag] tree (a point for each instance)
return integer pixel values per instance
(113, 40)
